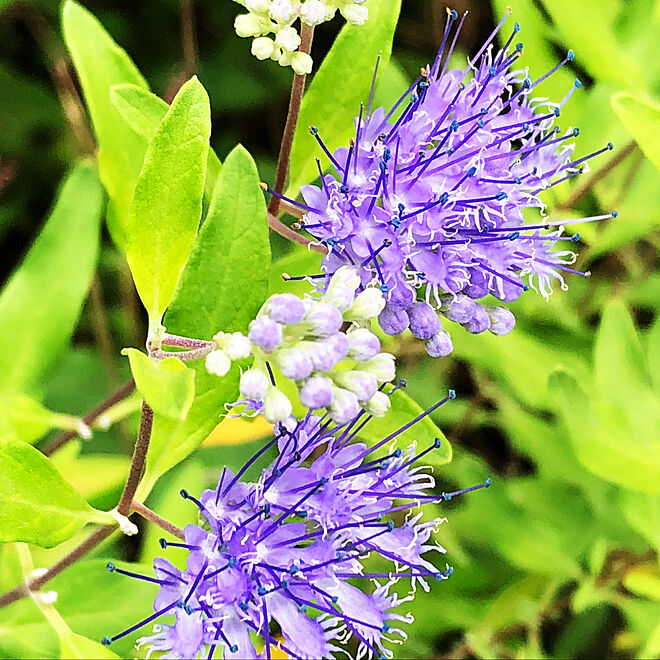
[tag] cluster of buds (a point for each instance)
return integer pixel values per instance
(302, 341)
(276, 18)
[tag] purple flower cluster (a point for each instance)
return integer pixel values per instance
(271, 562)
(429, 200)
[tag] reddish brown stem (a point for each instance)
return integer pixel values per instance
(280, 228)
(153, 517)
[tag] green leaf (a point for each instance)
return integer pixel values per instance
(143, 112)
(101, 63)
(653, 354)
(168, 386)
(40, 304)
(167, 205)
(25, 419)
(222, 288)
(77, 646)
(340, 85)
(36, 504)
(423, 433)
(642, 119)
(643, 581)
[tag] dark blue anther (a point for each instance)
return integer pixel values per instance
(614, 214)
(454, 14)
(576, 131)
(332, 242)
(343, 189)
(383, 465)
(525, 287)
(519, 46)
(397, 453)
(390, 525)
(302, 514)
(110, 567)
(385, 629)
(516, 27)
(501, 196)
(293, 569)
(334, 599)
(267, 508)
(324, 481)
(437, 443)
(487, 482)
(578, 83)
(556, 111)
(261, 590)
(454, 126)
(610, 146)
(243, 606)
(518, 180)
(387, 154)
(452, 394)
(384, 288)
(525, 127)
(471, 172)
(492, 70)
(382, 165)
(414, 98)
(480, 123)
(444, 197)
(527, 83)
(233, 648)
(162, 543)
(570, 56)
(395, 222)
(575, 238)
(302, 608)
(184, 493)
(513, 235)
(106, 641)
(313, 130)
(483, 111)
(423, 84)
(232, 562)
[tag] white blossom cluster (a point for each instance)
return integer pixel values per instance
(276, 18)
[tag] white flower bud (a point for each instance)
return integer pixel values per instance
(237, 346)
(254, 384)
(282, 11)
(368, 304)
(257, 6)
(355, 14)
(378, 405)
(344, 406)
(301, 63)
(361, 383)
(217, 363)
(288, 38)
(262, 48)
(248, 25)
(363, 343)
(277, 406)
(341, 288)
(381, 366)
(314, 12)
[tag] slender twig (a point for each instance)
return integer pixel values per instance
(597, 176)
(153, 517)
(295, 100)
(138, 460)
(102, 331)
(185, 342)
(22, 590)
(280, 228)
(188, 40)
(62, 438)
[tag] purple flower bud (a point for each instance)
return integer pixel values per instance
(324, 319)
(393, 320)
(285, 308)
(363, 344)
(424, 321)
(439, 345)
(478, 286)
(339, 345)
(502, 320)
(320, 352)
(294, 363)
(316, 392)
(460, 309)
(344, 406)
(364, 385)
(254, 384)
(480, 322)
(265, 333)
(381, 366)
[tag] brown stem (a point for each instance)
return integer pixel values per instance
(153, 517)
(22, 590)
(102, 331)
(138, 460)
(188, 40)
(62, 438)
(280, 228)
(597, 176)
(295, 100)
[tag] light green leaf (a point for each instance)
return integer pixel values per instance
(167, 205)
(299, 262)
(423, 432)
(643, 581)
(340, 85)
(25, 419)
(101, 63)
(642, 119)
(143, 112)
(222, 288)
(653, 354)
(168, 386)
(77, 646)
(36, 504)
(40, 304)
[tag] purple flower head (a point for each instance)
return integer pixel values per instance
(280, 551)
(429, 199)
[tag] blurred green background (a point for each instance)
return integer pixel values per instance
(560, 557)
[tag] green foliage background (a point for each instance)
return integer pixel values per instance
(559, 558)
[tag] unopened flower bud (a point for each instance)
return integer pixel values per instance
(254, 384)
(237, 346)
(265, 333)
(339, 345)
(294, 363)
(325, 319)
(301, 63)
(367, 304)
(344, 406)
(248, 25)
(393, 320)
(262, 48)
(362, 383)
(355, 14)
(282, 11)
(502, 320)
(321, 353)
(285, 308)
(363, 344)
(381, 366)
(424, 321)
(341, 288)
(217, 363)
(316, 392)
(460, 309)
(277, 406)
(288, 39)
(257, 6)
(378, 405)
(480, 321)
(440, 345)
(314, 12)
